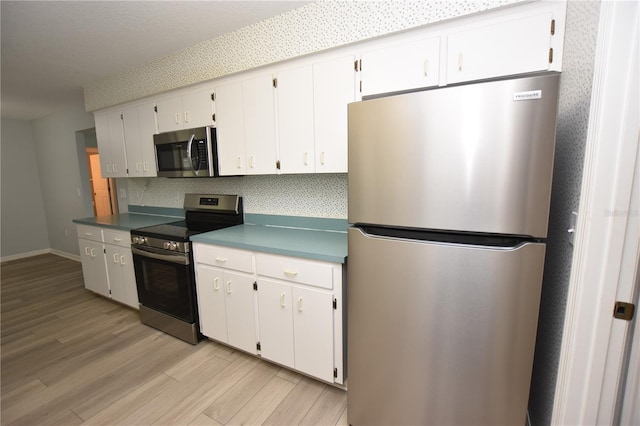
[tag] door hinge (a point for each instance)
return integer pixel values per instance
(335, 303)
(278, 164)
(275, 83)
(255, 285)
(553, 27)
(357, 65)
(155, 108)
(335, 373)
(121, 116)
(258, 346)
(213, 117)
(213, 96)
(551, 55)
(109, 292)
(624, 311)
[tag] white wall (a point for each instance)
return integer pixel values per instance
(24, 227)
(58, 165)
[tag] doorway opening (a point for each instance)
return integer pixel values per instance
(103, 190)
(99, 196)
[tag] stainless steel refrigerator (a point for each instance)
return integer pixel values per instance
(449, 193)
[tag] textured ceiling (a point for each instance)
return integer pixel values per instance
(50, 49)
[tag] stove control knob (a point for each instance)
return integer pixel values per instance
(135, 240)
(173, 246)
(141, 240)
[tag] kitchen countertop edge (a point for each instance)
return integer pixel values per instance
(328, 246)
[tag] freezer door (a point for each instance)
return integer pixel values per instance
(476, 157)
(440, 334)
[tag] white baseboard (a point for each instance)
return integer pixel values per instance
(66, 255)
(39, 252)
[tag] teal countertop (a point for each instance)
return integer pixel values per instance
(330, 246)
(126, 221)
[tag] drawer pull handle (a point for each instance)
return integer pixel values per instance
(122, 262)
(228, 287)
(290, 273)
(88, 234)
(117, 240)
(86, 251)
(221, 259)
(115, 258)
(299, 304)
(93, 253)
(282, 304)
(216, 287)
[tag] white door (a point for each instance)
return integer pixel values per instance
(506, 48)
(94, 269)
(239, 304)
(313, 332)
(334, 86)
(402, 66)
(607, 253)
(198, 109)
(211, 302)
(170, 114)
(276, 322)
(259, 125)
(230, 129)
(296, 120)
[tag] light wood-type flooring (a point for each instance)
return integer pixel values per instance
(71, 357)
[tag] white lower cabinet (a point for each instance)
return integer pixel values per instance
(94, 269)
(120, 270)
(226, 307)
(289, 308)
(107, 263)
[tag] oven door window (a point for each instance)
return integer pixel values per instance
(165, 286)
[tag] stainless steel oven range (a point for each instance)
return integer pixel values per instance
(163, 263)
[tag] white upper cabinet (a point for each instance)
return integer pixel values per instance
(296, 120)
(230, 129)
(139, 124)
(245, 122)
(510, 47)
(401, 66)
(110, 137)
(334, 86)
(259, 125)
(185, 111)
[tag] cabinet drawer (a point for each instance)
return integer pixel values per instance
(319, 274)
(223, 257)
(119, 238)
(87, 232)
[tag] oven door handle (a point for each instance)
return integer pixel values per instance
(181, 260)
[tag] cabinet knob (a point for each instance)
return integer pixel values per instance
(282, 302)
(299, 304)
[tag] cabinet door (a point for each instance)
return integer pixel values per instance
(197, 109)
(313, 332)
(506, 48)
(139, 124)
(122, 279)
(276, 321)
(211, 302)
(239, 304)
(169, 114)
(110, 137)
(295, 120)
(402, 66)
(259, 125)
(334, 86)
(94, 270)
(230, 129)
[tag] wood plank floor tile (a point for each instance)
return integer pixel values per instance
(71, 357)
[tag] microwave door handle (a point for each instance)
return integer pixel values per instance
(189, 145)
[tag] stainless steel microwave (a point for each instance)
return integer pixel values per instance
(187, 153)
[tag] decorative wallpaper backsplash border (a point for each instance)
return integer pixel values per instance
(313, 195)
(312, 28)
